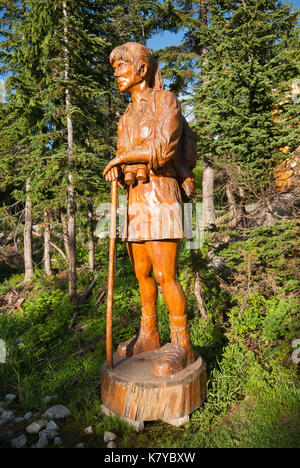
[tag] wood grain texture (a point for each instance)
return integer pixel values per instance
(131, 390)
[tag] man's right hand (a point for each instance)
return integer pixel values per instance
(115, 173)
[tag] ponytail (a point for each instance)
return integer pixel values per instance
(156, 81)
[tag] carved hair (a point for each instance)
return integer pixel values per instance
(138, 54)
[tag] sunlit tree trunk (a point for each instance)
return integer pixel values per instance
(64, 226)
(47, 243)
(28, 261)
(71, 191)
(91, 242)
(209, 217)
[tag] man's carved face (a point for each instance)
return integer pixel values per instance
(126, 75)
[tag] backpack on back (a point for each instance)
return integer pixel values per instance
(186, 159)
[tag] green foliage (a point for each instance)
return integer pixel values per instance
(268, 319)
(245, 72)
(267, 256)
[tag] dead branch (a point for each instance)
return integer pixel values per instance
(103, 292)
(18, 305)
(87, 348)
(198, 294)
(53, 245)
(86, 294)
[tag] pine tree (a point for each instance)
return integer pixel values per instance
(16, 125)
(246, 61)
(60, 121)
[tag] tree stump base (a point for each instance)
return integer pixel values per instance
(132, 392)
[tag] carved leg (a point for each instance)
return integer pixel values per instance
(147, 338)
(179, 353)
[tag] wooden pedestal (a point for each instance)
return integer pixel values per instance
(132, 392)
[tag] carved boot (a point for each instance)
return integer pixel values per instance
(147, 339)
(179, 353)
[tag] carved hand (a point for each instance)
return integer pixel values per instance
(112, 170)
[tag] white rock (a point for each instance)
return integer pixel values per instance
(50, 434)
(52, 426)
(111, 444)
(109, 436)
(19, 442)
(10, 397)
(19, 420)
(6, 415)
(80, 445)
(57, 412)
(57, 441)
(42, 442)
(36, 426)
(88, 430)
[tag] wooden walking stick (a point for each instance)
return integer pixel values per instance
(110, 288)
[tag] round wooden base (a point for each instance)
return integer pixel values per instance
(131, 391)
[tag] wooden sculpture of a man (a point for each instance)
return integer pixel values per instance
(148, 148)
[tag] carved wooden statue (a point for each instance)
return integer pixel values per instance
(148, 162)
(148, 139)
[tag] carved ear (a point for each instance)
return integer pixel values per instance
(142, 69)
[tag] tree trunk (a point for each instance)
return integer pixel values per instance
(236, 198)
(28, 261)
(91, 244)
(209, 217)
(198, 290)
(71, 191)
(232, 206)
(64, 226)
(47, 243)
(208, 193)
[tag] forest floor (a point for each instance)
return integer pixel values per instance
(250, 284)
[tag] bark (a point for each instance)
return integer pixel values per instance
(28, 261)
(198, 289)
(232, 206)
(208, 193)
(71, 191)
(47, 243)
(209, 217)
(236, 199)
(64, 226)
(91, 243)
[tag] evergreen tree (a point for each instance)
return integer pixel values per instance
(245, 64)
(60, 120)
